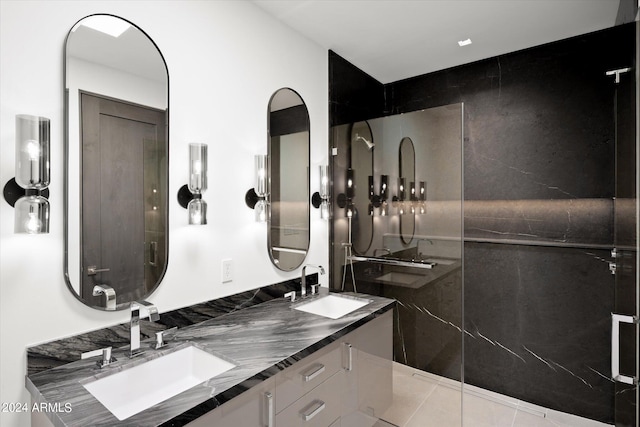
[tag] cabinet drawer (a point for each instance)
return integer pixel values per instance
(318, 408)
(299, 379)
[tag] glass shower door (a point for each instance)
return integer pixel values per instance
(624, 352)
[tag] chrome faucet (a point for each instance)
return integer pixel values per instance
(109, 295)
(135, 323)
(387, 250)
(303, 283)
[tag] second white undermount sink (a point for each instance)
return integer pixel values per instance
(333, 306)
(140, 387)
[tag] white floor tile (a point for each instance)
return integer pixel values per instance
(422, 399)
(480, 412)
(442, 408)
(569, 420)
(409, 393)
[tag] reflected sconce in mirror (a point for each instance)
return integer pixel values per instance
(418, 197)
(28, 192)
(422, 198)
(256, 197)
(190, 195)
(398, 201)
(345, 200)
(378, 200)
(320, 199)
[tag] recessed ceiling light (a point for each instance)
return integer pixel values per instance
(464, 42)
(106, 24)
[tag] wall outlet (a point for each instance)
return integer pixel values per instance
(227, 270)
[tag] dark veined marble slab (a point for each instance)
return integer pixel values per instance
(261, 340)
(60, 352)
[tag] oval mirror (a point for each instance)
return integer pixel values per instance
(116, 162)
(288, 184)
(361, 163)
(407, 189)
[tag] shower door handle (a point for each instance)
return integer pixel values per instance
(616, 319)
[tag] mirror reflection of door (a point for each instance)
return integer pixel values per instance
(120, 198)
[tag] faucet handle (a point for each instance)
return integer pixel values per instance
(160, 337)
(107, 358)
(314, 288)
(291, 294)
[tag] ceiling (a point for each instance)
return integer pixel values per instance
(393, 40)
(132, 52)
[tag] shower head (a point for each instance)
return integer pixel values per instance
(370, 144)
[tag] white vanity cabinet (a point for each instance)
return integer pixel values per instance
(253, 408)
(373, 343)
(351, 374)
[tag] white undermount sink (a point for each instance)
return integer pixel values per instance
(140, 387)
(333, 306)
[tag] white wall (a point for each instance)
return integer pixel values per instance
(225, 60)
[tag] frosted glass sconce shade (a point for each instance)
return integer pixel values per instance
(260, 210)
(324, 181)
(32, 151)
(197, 168)
(320, 199)
(28, 192)
(31, 215)
(190, 194)
(197, 209)
(261, 175)
(256, 197)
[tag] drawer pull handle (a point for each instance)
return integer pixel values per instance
(348, 366)
(270, 416)
(311, 374)
(314, 409)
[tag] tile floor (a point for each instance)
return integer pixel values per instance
(421, 399)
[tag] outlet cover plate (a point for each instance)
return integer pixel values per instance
(227, 270)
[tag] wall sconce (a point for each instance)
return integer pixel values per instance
(256, 197)
(190, 195)
(28, 192)
(320, 199)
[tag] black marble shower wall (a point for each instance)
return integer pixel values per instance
(539, 178)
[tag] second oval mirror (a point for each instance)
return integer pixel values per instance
(288, 233)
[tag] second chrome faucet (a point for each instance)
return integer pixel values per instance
(303, 283)
(135, 323)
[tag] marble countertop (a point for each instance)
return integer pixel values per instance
(261, 340)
